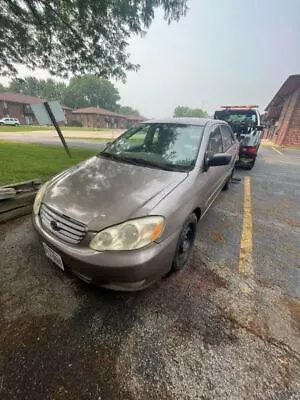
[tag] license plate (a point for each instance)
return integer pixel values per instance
(53, 256)
(245, 160)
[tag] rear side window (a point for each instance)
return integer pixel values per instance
(215, 144)
(227, 136)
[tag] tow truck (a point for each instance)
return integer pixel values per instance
(246, 124)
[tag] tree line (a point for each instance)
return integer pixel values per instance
(84, 91)
(183, 111)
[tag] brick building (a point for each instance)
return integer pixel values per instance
(282, 118)
(68, 113)
(16, 105)
(99, 118)
(133, 119)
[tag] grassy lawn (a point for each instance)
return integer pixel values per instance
(30, 128)
(19, 161)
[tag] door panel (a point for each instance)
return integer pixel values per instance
(213, 177)
(229, 144)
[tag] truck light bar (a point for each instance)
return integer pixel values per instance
(240, 107)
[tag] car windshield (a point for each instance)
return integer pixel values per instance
(162, 145)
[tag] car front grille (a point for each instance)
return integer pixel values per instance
(65, 228)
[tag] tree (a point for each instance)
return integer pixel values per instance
(182, 111)
(3, 88)
(127, 110)
(77, 37)
(90, 91)
(46, 89)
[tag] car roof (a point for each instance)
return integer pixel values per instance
(176, 120)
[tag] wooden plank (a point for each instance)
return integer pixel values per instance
(17, 212)
(20, 200)
(21, 203)
(7, 193)
(24, 186)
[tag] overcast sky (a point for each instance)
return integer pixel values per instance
(222, 52)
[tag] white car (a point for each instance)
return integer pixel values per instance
(9, 121)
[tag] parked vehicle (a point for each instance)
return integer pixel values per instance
(9, 121)
(246, 124)
(126, 217)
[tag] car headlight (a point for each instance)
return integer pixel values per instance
(38, 198)
(130, 235)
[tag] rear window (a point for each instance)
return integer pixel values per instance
(236, 116)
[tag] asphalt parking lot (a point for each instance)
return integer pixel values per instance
(226, 327)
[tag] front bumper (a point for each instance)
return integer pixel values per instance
(120, 270)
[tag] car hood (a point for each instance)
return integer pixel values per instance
(101, 192)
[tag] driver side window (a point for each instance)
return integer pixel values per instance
(215, 144)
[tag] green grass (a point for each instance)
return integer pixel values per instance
(19, 161)
(30, 128)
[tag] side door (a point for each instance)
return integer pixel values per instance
(230, 147)
(214, 174)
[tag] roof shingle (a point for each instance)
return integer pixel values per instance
(96, 110)
(288, 87)
(20, 98)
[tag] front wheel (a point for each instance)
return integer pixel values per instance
(185, 243)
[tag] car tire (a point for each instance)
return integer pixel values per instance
(185, 243)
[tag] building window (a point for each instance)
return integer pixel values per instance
(27, 109)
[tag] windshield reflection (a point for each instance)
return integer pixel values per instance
(166, 146)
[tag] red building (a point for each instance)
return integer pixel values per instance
(97, 117)
(16, 105)
(134, 119)
(282, 118)
(68, 113)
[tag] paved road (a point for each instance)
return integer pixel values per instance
(81, 139)
(209, 332)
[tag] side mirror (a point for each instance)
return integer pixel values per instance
(219, 159)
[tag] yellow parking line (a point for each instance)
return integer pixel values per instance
(274, 148)
(245, 261)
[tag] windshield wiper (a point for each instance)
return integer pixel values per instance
(166, 167)
(143, 162)
(106, 154)
(121, 158)
(148, 163)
